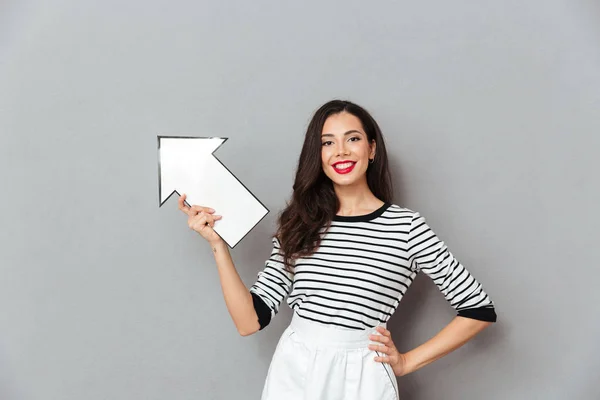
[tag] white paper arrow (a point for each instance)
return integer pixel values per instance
(187, 165)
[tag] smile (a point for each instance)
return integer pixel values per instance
(344, 168)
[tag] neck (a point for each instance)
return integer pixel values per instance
(356, 199)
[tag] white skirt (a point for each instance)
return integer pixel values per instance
(314, 361)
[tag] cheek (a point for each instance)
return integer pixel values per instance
(323, 161)
(325, 155)
(364, 150)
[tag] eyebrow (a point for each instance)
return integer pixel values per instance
(347, 133)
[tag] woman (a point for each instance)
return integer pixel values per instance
(344, 255)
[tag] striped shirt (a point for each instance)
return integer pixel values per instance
(361, 270)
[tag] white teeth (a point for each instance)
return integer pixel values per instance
(344, 165)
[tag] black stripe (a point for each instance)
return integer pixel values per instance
(369, 273)
(326, 322)
(369, 251)
(367, 236)
(345, 301)
(351, 294)
(338, 309)
(345, 285)
(365, 258)
(328, 239)
(353, 278)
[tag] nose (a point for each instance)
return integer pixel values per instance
(341, 150)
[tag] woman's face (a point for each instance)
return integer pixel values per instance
(345, 149)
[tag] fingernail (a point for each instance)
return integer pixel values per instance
(211, 210)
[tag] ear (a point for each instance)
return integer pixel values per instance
(373, 147)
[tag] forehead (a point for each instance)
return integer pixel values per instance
(338, 124)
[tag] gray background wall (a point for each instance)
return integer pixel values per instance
(491, 116)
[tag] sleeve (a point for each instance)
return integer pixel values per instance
(429, 254)
(271, 287)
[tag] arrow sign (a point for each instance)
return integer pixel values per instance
(186, 164)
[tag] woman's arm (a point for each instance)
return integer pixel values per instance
(252, 309)
(475, 309)
(458, 332)
(237, 296)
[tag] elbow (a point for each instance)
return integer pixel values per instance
(248, 330)
(485, 324)
(479, 326)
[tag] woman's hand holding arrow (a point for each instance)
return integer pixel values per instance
(201, 220)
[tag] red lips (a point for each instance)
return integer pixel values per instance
(344, 170)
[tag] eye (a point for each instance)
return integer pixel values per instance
(355, 137)
(325, 143)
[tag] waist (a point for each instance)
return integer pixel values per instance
(319, 334)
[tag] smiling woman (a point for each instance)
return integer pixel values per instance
(352, 142)
(337, 173)
(344, 255)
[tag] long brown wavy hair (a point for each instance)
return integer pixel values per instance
(314, 202)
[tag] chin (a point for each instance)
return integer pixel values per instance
(341, 180)
(344, 182)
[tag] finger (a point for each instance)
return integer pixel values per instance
(383, 331)
(204, 218)
(383, 359)
(201, 208)
(214, 219)
(182, 205)
(382, 348)
(380, 338)
(210, 220)
(199, 221)
(209, 217)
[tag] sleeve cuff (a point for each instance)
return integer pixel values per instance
(262, 310)
(481, 313)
